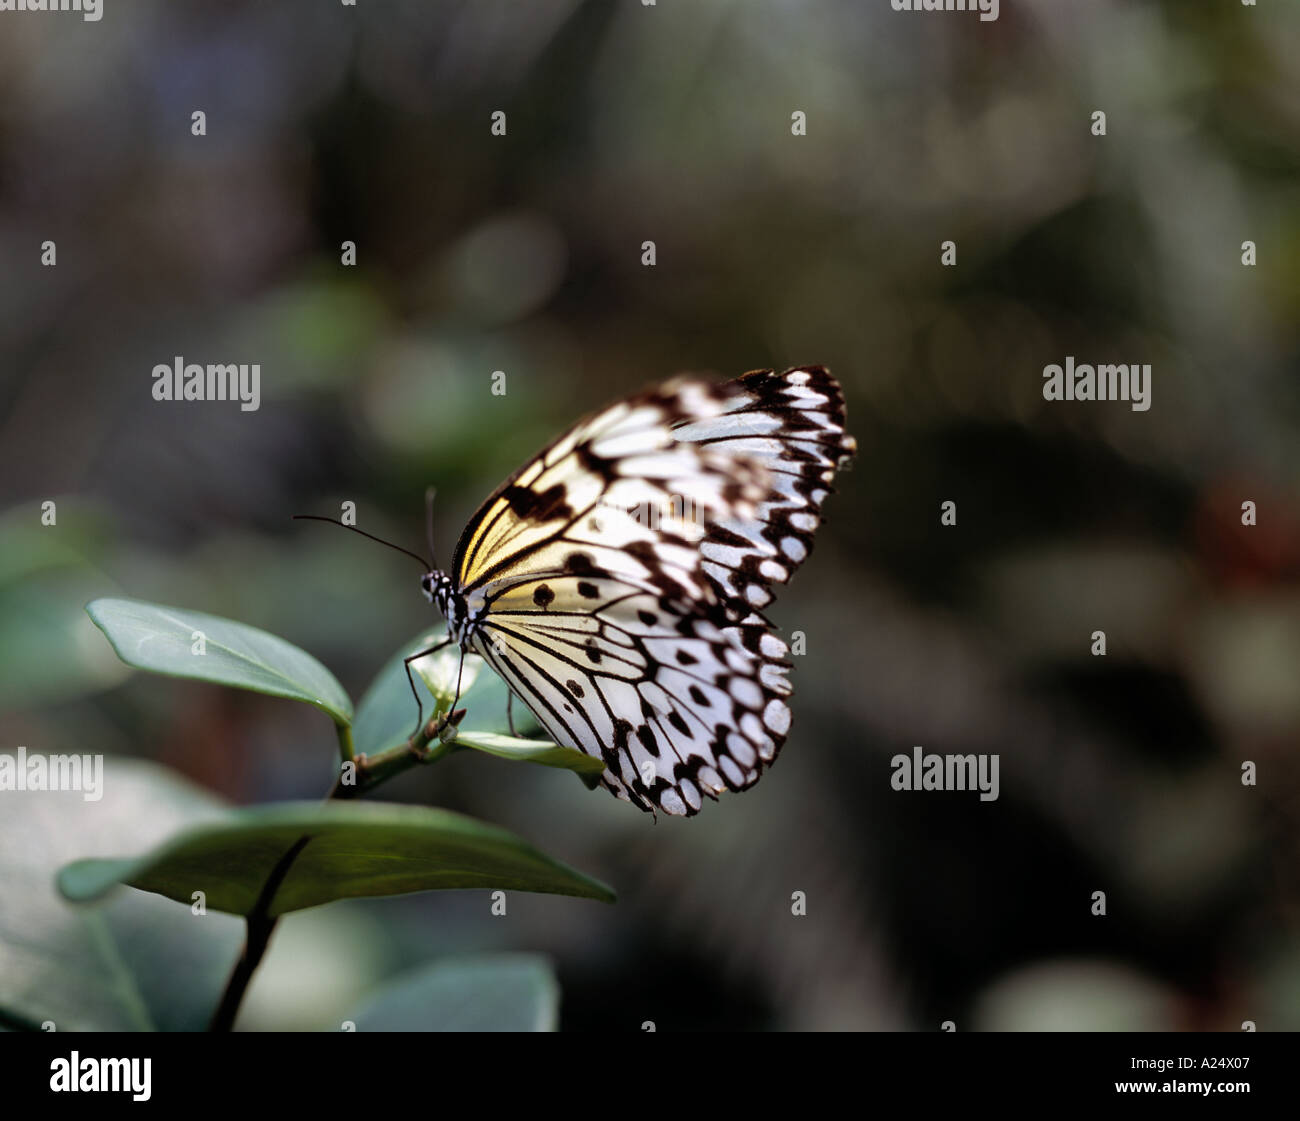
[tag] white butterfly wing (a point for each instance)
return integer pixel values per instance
(605, 611)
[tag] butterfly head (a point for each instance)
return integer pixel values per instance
(440, 589)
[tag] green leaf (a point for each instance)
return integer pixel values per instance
(139, 961)
(387, 712)
(532, 751)
(162, 640)
(355, 849)
(497, 992)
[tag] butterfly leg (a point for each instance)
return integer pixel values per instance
(510, 713)
(447, 732)
(406, 665)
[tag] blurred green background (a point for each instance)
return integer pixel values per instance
(522, 253)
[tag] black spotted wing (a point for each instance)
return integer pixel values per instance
(600, 606)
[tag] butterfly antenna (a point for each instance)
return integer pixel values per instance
(429, 493)
(428, 566)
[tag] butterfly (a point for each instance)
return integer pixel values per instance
(617, 580)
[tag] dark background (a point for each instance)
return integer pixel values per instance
(522, 253)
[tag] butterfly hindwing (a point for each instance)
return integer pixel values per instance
(664, 695)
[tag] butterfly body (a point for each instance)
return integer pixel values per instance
(616, 580)
(440, 590)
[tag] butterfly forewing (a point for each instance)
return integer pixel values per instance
(793, 424)
(624, 459)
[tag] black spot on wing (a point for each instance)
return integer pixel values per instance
(647, 737)
(542, 506)
(579, 564)
(622, 729)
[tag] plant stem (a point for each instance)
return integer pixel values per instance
(425, 746)
(367, 773)
(345, 742)
(260, 928)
